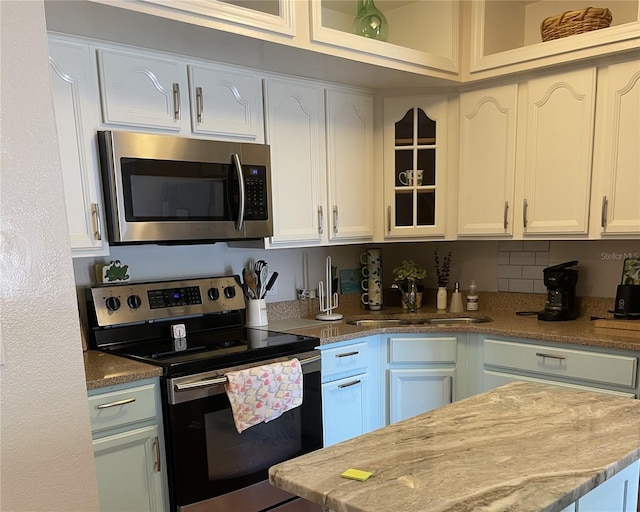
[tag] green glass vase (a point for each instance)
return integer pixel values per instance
(370, 22)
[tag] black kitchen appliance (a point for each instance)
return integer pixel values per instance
(194, 330)
(560, 281)
(627, 302)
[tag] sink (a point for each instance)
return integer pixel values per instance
(383, 322)
(459, 320)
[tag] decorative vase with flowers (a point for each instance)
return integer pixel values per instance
(405, 277)
(442, 275)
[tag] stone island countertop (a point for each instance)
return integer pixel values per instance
(522, 447)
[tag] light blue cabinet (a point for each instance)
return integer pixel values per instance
(351, 395)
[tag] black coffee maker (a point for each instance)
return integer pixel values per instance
(560, 281)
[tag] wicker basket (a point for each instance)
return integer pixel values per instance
(575, 22)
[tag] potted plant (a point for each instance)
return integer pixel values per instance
(405, 277)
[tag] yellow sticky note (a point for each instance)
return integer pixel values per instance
(356, 474)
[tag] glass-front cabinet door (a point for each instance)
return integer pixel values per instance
(415, 166)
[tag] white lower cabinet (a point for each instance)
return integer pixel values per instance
(128, 445)
(420, 374)
(351, 401)
(618, 493)
(508, 360)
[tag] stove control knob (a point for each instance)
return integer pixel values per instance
(230, 292)
(213, 294)
(134, 301)
(112, 303)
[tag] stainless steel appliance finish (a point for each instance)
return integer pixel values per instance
(169, 189)
(194, 330)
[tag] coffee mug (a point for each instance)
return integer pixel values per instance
(365, 298)
(411, 177)
(364, 284)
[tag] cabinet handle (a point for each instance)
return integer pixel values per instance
(176, 101)
(605, 207)
(335, 219)
(524, 213)
(156, 448)
(320, 220)
(506, 210)
(95, 219)
(347, 384)
(348, 354)
(199, 104)
(550, 356)
(388, 219)
(116, 404)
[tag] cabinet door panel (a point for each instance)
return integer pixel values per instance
(415, 391)
(344, 407)
(620, 492)
(226, 103)
(350, 165)
(295, 131)
(143, 91)
(487, 161)
(128, 471)
(559, 143)
(617, 139)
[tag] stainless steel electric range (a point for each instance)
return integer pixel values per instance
(194, 329)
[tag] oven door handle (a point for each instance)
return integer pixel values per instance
(222, 380)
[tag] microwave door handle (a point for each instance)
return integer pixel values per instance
(238, 166)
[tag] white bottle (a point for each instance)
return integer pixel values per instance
(456, 301)
(472, 297)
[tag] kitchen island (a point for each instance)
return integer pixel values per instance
(521, 447)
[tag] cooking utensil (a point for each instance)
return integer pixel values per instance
(249, 277)
(262, 272)
(272, 281)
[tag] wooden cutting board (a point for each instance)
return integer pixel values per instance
(612, 323)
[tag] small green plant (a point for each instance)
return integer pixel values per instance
(442, 271)
(408, 270)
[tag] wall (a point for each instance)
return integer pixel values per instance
(600, 263)
(46, 455)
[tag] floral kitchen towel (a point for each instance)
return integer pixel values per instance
(262, 393)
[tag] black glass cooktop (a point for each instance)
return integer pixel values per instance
(212, 350)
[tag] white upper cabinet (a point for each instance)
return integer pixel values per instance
(558, 153)
(226, 103)
(295, 130)
(75, 100)
(415, 166)
(422, 35)
(505, 36)
(350, 165)
(144, 91)
(487, 161)
(617, 151)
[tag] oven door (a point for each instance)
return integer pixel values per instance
(211, 466)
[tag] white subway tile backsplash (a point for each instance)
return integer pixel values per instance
(536, 245)
(521, 265)
(532, 272)
(510, 245)
(521, 285)
(509, 271)
(522, 258)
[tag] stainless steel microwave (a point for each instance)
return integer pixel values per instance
(169, 189)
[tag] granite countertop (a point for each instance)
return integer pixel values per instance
(504, 323)
(102, 370)
(522, 447)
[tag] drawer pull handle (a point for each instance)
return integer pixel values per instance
(550, 356)
(348, 354)
(352, 383)
(116, 404)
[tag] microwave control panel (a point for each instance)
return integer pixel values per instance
(256, 205)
